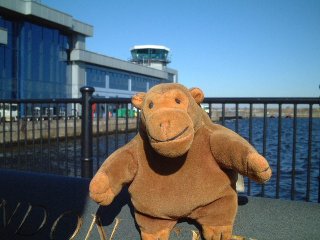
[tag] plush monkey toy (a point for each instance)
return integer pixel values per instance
(179, 165)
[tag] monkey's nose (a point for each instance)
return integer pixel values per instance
(165, 124)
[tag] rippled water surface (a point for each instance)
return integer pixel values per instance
(267, 143)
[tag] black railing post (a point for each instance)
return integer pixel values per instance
(86, 133)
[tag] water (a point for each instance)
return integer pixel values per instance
(63, 156)
(286, 155)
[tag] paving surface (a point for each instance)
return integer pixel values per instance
(39, 206)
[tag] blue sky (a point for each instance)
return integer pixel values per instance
(248, 48)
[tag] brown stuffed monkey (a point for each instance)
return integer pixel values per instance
(179, 165)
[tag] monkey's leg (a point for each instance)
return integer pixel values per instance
(154, 228)
(217, 218)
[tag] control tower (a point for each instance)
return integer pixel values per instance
(155, 56)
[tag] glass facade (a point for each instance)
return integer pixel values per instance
(117, 80)
(139, 84)
(146, 54)
(8, 77)
(96, 77)
(171, 77)
(153, 83)
(34, 62)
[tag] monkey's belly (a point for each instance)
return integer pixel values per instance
(171, 197)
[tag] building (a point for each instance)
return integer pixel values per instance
(43, 55)
(151, 55)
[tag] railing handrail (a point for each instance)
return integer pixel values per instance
(240, 100)
(263, 100)
(41, 101)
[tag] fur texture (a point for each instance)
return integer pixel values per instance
(179, 165)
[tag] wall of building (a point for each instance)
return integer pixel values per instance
(34, 62)
(110, 82)
(43, 55)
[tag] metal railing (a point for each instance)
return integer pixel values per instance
(289, 137)
(74, 136)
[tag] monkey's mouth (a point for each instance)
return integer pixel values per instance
(169, 139)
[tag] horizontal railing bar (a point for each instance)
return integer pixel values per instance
(266, 100)
(228, 100)
(35, 101)
(244, 100)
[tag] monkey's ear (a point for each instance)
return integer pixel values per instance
(197, 94)
(137, 99)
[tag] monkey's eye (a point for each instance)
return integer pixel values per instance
(178, 101)
(151, 105)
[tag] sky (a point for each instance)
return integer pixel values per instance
(228, 48)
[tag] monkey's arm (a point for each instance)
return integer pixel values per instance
(232, 151)
(114, 173)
